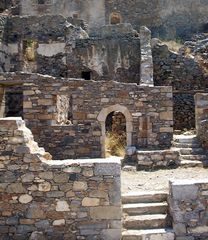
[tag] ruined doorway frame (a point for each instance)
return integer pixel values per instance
(102, 118)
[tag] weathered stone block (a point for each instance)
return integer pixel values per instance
(79, 186)
(90, 202)
(25, 198)
(166, 116)
(44, 187)
(105, 212)
(107, 169)
(61, 178)
(111, 234)
(62, 206)
(16, 188)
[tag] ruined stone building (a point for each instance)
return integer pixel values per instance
(67, 68)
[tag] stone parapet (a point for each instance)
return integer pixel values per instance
(157, 159)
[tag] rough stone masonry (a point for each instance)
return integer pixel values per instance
(45, 199)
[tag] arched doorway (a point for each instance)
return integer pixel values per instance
(102, 119)
(115, 126)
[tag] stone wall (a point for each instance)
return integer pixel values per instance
(114, 54)
(187, 77)
(201, 108)
(92, 11)
(188, 207)
(157, 159)
(166, 18)
(148, 113)
(46, 199)
(47, 33)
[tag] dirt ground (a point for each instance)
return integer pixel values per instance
(158, 180)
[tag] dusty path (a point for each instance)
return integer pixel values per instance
(158, 180)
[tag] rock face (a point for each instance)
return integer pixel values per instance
(43, 199)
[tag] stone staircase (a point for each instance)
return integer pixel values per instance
(145, 216)
(191, 152)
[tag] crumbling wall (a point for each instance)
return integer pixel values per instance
(188, 207)
(45, 37)
(150, 108)
(114, 54)
(92, 11)
(165, 18)
(48, 199)
(187, 77)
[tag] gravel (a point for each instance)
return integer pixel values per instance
(158, 180)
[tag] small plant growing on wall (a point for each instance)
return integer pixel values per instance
(29, 50)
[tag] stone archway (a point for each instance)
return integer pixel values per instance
(129, 126)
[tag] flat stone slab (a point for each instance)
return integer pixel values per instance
(151, 234)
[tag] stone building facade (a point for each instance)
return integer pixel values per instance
(64, 49)
(73, 112)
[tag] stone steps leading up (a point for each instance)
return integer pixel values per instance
(144, 197)
(159, 234)
(147, 221)
(193, 157)
(192, 163)
(145, 216)
(190, 150)
(186, 145)
(145, 208)
(187, 139)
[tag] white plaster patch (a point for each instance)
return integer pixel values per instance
(50, 49)
(13, 48)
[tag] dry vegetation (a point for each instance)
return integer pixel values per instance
(115, 144)
(173, 45)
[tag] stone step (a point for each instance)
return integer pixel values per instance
(149, 221)
(193, 157)
(186, 145)
(185, 139)
(191, 151)
(145, 208)
(187, 163)
(144, 197)
(153, 234)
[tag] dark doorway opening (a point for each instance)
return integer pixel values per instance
(86, 75)
(13, 104)
(41, 1)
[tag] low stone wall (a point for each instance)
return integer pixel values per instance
(188, 207)
(46, 199)
(157, 159)
(201, 109)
